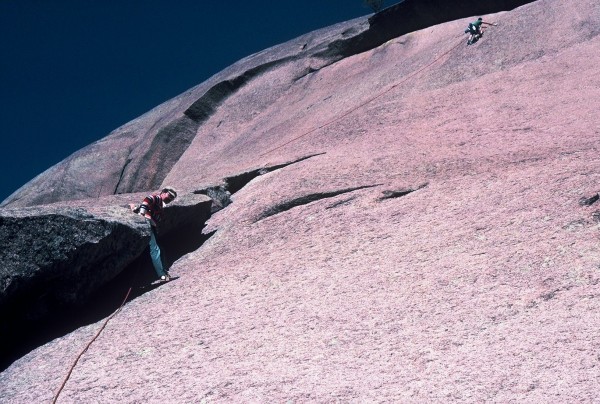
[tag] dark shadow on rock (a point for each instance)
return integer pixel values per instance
(182, 242)
(390, 194)
(221, 194)
(409, 16)
(22, 335)
(306, 199)
(343, 202)
(584, 201)
(239, 181)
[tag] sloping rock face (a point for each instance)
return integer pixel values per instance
(138, 156)
(417, 222)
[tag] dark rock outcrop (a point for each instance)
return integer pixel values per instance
(56, 256)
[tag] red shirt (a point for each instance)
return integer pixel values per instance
(153, 205)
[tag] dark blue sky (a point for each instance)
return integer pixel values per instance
(71, 71)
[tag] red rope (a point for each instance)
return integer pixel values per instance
(88, 345)
(345, 114)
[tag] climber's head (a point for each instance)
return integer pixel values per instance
(168, 194)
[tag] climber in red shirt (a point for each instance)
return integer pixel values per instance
(152, 209)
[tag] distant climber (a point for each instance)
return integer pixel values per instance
(152, 209)
(475, 30)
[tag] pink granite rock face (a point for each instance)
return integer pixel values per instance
(414, 223)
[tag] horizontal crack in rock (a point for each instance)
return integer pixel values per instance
(343, 202)
(303, 200)
(389, 194)
(221, 194)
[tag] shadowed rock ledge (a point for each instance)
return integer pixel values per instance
(57, 256)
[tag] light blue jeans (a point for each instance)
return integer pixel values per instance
(155, 254)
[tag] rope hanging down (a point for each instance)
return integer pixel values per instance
(345, 114)
(88, 345)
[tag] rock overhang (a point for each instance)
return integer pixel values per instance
(58, 255)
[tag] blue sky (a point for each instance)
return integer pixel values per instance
(71, 71)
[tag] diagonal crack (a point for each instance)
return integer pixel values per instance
(389, 194)
(306, 199)
(221, 194)
(115, 191)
